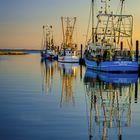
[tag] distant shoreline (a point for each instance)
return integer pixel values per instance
(20, 50)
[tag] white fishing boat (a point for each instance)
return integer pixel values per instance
(106, 51)
(68, 52)
(68, 56)
(48, 49)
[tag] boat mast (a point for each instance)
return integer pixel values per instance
(68, 25)
(93, 4)
(46, 39)
(122, 4)
(43, 40)
(120, 20)
(72, 30)
(63, 30)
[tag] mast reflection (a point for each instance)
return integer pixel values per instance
(48, 68)
(109, 98)
(68, 73)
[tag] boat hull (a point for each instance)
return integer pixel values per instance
(113, 66)
(68, 59)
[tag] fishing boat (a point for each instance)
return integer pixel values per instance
(68, 52)
(110, 49)
(48, 48)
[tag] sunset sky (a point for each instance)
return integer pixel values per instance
(21, 21)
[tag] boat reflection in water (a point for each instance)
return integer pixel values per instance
(108, 101)
(68, 73)
(48, 68)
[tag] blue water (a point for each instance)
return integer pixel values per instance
(51, 101)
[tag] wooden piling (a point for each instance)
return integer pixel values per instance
(136, 92)
(81, 52)
(64, 51)
(121, 45)
(58, 49)
(81, 61)
(137, 55)
(137, 50)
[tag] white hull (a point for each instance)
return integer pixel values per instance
(68, 59)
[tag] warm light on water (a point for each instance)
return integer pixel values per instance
(51, 101)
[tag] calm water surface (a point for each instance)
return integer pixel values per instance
(52, 101)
